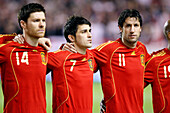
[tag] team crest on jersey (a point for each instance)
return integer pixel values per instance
(90, 64)
(43, 58)
(142, 59)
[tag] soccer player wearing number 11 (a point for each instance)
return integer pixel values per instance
(122, 76)
(158, 75)
(72, 73)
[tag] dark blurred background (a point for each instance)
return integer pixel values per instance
(103, 15)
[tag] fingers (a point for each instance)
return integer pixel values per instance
(69, 47)
(102, 110)
(46, 47)
(19, 39)
(45, 42)
(102, 107)
(48, 43)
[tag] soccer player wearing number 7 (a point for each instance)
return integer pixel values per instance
(24, 65)
(158, 75)
(72, 73)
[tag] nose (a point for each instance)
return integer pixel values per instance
(132, 29)
(42, 24)
(89, 34)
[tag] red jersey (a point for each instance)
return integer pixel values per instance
(23, 78)
(72, 79)
(158, 75)
(122, 76)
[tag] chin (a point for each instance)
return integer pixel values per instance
(89, 46)
(133, 40)
(40, 36)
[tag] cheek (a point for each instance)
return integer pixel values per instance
(124, 33)
(169, 35)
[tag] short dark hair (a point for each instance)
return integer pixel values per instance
(26, 10)
(129, 13)
(71, 25)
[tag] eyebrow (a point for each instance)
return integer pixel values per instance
(85, 29)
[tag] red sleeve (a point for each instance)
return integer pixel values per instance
(148, 56)
(7, 37)
(53, 60)
(95, 66)
(100, 58)
(3, 53)
(102, 52)
(149, 72)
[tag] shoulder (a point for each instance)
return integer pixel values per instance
(7, 44)
(157, 54)
(140, 44)
(107, 45)
(59, 53)
(8, 35)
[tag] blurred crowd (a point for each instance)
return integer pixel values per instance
(103, 15)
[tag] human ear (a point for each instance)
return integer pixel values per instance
(120, 28)
(71, 38)
(23, 24)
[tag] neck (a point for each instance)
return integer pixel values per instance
(80, 50)
(129, 44)
(31, 40)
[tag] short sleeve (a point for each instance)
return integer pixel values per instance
(149, 72)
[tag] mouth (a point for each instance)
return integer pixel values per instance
(132, 36)
(90, 41)
(41, 31)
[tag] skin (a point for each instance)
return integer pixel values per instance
(167, 32)
(83, 39)
(34, 28)
(130, 31)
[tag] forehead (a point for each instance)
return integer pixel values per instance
(83, 26)
(131, 20)
(37, 15)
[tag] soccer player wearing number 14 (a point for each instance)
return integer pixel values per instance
(24, 65)
(72, 73)
(157, 74)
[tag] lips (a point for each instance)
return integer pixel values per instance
(40, 30)
(90, 41)
(132, 35)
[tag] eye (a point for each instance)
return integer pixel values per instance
(84, 31)
(128, 25)
(36, 20)
(136, 25)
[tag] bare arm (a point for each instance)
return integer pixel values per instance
(45, 42)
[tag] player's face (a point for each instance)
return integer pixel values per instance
(131, 31)
(168, 34)
(36, 25)
(83, 36)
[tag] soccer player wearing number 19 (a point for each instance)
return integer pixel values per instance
(158, 75)
(72, 73)
(24, 65)
(122, 75)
